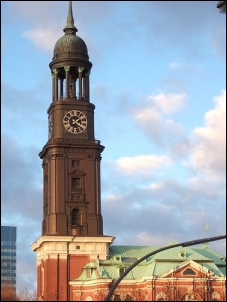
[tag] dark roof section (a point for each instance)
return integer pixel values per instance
(222, 7)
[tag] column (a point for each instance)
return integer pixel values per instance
(75, 88)
(80, 69)
(61, 89)
(87, 86)
(67, 81)
(84, 88)
(73, 83)
(70, 86)
(53, 90)
(55, 84)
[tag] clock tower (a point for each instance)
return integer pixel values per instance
(72, 227)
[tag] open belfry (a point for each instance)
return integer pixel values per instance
(75, 260)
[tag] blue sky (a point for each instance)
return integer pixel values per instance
(158, 82)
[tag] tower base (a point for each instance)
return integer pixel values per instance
(62, 258)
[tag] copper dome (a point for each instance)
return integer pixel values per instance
(70, 45)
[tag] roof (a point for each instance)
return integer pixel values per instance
(70, 45)
(121, 256)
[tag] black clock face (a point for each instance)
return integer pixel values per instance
(75, 121)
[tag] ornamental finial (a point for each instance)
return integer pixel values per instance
(70, 28)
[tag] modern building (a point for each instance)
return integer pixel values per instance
(75, 260)
(8, 256)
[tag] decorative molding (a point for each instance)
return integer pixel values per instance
(51, 156)
(77, 172)
(80, 69)
(94, 156)
(50, 246)
(67, 68)
(55, 71)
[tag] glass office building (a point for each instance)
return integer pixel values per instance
(8, 256)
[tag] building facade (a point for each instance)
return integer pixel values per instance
(177, 274)
(75, 260)
(8, 256)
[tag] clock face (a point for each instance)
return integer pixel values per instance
(75, 121)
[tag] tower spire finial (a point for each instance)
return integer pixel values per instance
(70, 28)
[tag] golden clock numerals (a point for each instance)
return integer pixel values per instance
(75, 121)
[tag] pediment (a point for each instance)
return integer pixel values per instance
(77, 172)
(189, 269)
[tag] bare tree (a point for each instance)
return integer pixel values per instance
(8, 293)
(25, 295)
(172, 293)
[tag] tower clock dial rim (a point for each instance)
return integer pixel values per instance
(75, 121)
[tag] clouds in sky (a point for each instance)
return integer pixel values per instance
(154, 117)
(208, 155)
(158, 83)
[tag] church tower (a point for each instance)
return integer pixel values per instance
(72, 227)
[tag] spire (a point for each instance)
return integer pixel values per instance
(70, 28)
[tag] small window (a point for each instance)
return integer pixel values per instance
(121, 271)
(75, 163)
(88, 272)
(76, 219)
(76, 183)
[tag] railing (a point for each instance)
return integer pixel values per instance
(78, 141)
(63, 97)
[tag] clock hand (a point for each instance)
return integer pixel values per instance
(80, 124)
(77, 121)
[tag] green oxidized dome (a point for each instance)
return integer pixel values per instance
(70, 45)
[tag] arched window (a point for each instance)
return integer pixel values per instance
(76, 217)
(121, 271)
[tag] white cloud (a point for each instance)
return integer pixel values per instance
(151, 118)
(156, 186)
(142, 164)
(184, 66)
(45, 39)
(209, 151)
(167, 103)
(147, 238)
(174, 65)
